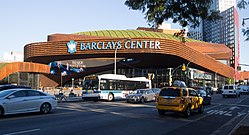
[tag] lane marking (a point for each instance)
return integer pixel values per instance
(219, 130)
(21, 132)
(209, 108)
(238, 124)
(233, 108)
(236, 105)
(34, 116)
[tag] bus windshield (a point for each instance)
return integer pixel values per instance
(90, 84)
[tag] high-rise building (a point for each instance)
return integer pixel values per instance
(222, 5)
(224, 31)
(197, 33)
(13, 57)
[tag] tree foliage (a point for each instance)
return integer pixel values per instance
(243, 4)
(184, 12)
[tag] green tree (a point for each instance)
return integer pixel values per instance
(184, 12)
(230, 81)
(243, 4)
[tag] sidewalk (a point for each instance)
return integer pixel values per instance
(241, 128)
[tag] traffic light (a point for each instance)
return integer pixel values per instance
(183, 67)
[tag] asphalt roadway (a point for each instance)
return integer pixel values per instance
(222, 117)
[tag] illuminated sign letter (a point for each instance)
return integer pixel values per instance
(157, 45)
(126, 44)
(82, 46)
(71, 46)
(94, 45)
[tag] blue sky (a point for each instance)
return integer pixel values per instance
(29, 21)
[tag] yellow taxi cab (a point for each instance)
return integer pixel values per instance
(179, 99)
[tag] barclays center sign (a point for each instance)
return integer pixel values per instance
(110, 45)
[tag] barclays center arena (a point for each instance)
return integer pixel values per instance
(160, 55)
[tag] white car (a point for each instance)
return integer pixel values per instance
(15, 101)
(230, 90)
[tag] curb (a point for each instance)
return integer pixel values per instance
(242, 128)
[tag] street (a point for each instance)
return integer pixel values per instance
(95, 118)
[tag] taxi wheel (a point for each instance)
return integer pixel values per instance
(209, 103)
(161, 112)
(1, 111)
(187, 112)
(201, 109)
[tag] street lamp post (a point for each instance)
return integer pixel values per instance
(187, 72)
(72, 83)
(115, 55)
(173, 71)
(115, 61)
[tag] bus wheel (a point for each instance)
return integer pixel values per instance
(110, 97)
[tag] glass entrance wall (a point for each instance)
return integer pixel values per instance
(22, 78)
(160, 77)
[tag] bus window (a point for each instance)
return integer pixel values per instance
(104, 84)
(90, 85)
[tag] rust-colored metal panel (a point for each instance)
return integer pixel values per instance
(45, 52)
(47, 82)
(217, 51)
(244, 75)
(23, 67)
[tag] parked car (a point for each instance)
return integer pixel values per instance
(179, 99)
(156, 91)
(10, 86)
(141, 95)
(243, 89)
(230, 90)
(210, 90)
(205, 95)
(20, 100)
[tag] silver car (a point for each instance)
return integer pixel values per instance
(14, 101)
(141, 95)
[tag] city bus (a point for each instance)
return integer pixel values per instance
(111, 86)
